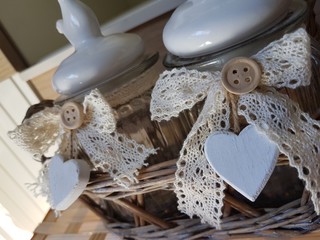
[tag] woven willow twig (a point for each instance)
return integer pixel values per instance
(289, 218)
(156, 177)
(297, 214)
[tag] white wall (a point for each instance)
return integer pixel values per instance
(24, 211)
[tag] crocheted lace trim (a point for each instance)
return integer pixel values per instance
(99, 114)
(198, 188)
(108, 150)
(296, 134)
(284, 63)
(38, 133)
(177, 90)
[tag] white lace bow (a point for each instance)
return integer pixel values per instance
(108, 150)
(284, 63)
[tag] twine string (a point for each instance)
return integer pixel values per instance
(233, 99)
(71, 142)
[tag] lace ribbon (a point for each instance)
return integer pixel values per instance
(37, 134)
(108, 150)
(284, 63)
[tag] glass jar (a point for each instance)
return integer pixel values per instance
(296, 17)
(129, 94)
(308, 97)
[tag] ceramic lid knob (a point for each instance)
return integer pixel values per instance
(199, 27)
(97, 58)
(79, 23)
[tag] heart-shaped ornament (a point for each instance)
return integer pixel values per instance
(245, 162)
(67, 180)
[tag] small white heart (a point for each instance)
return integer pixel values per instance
(67, 180)
(245, 162)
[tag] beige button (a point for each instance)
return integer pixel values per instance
(72, 115)
(241, 75)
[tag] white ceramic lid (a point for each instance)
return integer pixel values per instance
(97, 58)
(199, 27)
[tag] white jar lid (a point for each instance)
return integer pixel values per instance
(199, 27)
(97, 61)
(97, 58)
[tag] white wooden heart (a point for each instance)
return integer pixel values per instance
(245, 162)
(67, 180)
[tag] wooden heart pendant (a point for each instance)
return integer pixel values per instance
(245, 162)
(67, 180)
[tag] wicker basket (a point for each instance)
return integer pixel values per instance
(148, 209)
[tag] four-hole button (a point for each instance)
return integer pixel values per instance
(72, 115)
(241, 75)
